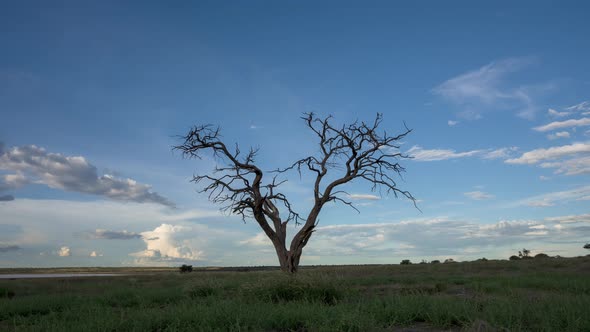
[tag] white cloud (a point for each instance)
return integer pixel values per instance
(433, 238)
(538, 155)
(364, 197)
(556, 114)
(165, 242)
(259, 240)
(536, 233)
(560, 134)
(544, 178)
(452, 122)
(486, 89)
(95, 254)
(501, 153)
(573, 166)
(478, 195)
(33, 164)
(583, 106)
(553, 198)
(563, 124)
(420, 154)
(580, 218)
(64, 251)
(541, 203)
(12, 181)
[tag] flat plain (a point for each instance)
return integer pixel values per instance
(550, 294)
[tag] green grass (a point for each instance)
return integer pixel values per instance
(532, 295)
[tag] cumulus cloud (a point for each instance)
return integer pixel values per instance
(259, 240)
(563, 124)
(429, 237)
(114, 235)
(64, 251)
(452, 123)
(538, 155)
(95, 254)
(560, 134)
(9, 248)
(364, 197)
(165, 243)
(12, 181)
(33, 164)
(6, 198)
(486, 89)
(478, 195)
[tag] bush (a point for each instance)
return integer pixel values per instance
(186, 268)
(201, 291)
(6, 293)
(483, 259)
(541, 255)
(281, 291)
(405, 262)
(514, 258)
(587, 246)
(436, 261)
(449, 260)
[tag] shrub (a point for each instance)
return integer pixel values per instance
(436, 261)
(292, 290)
(587, 246)
(541, 255)
(6, 293)
(440, 287)
(186, 268)
(201, 291)
(483, 259)
(514, 258)
(449, 260)
(405, 262)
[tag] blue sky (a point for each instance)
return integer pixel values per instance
(92, 96)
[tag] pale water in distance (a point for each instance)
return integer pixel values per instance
(56, 275)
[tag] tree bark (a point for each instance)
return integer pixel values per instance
(288, 260)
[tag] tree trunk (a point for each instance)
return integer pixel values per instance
(289, 261)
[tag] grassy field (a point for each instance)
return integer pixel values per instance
(530, 295)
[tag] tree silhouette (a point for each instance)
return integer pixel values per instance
(587, 246)
(355, 151)
(524, 253)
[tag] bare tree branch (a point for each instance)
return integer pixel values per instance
(347, 153)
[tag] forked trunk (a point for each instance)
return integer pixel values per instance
(289, 261)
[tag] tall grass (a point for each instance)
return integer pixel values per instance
(518, 296)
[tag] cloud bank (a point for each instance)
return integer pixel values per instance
(32, 164)
(114, 235)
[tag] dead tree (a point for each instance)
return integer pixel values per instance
(354, 151)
